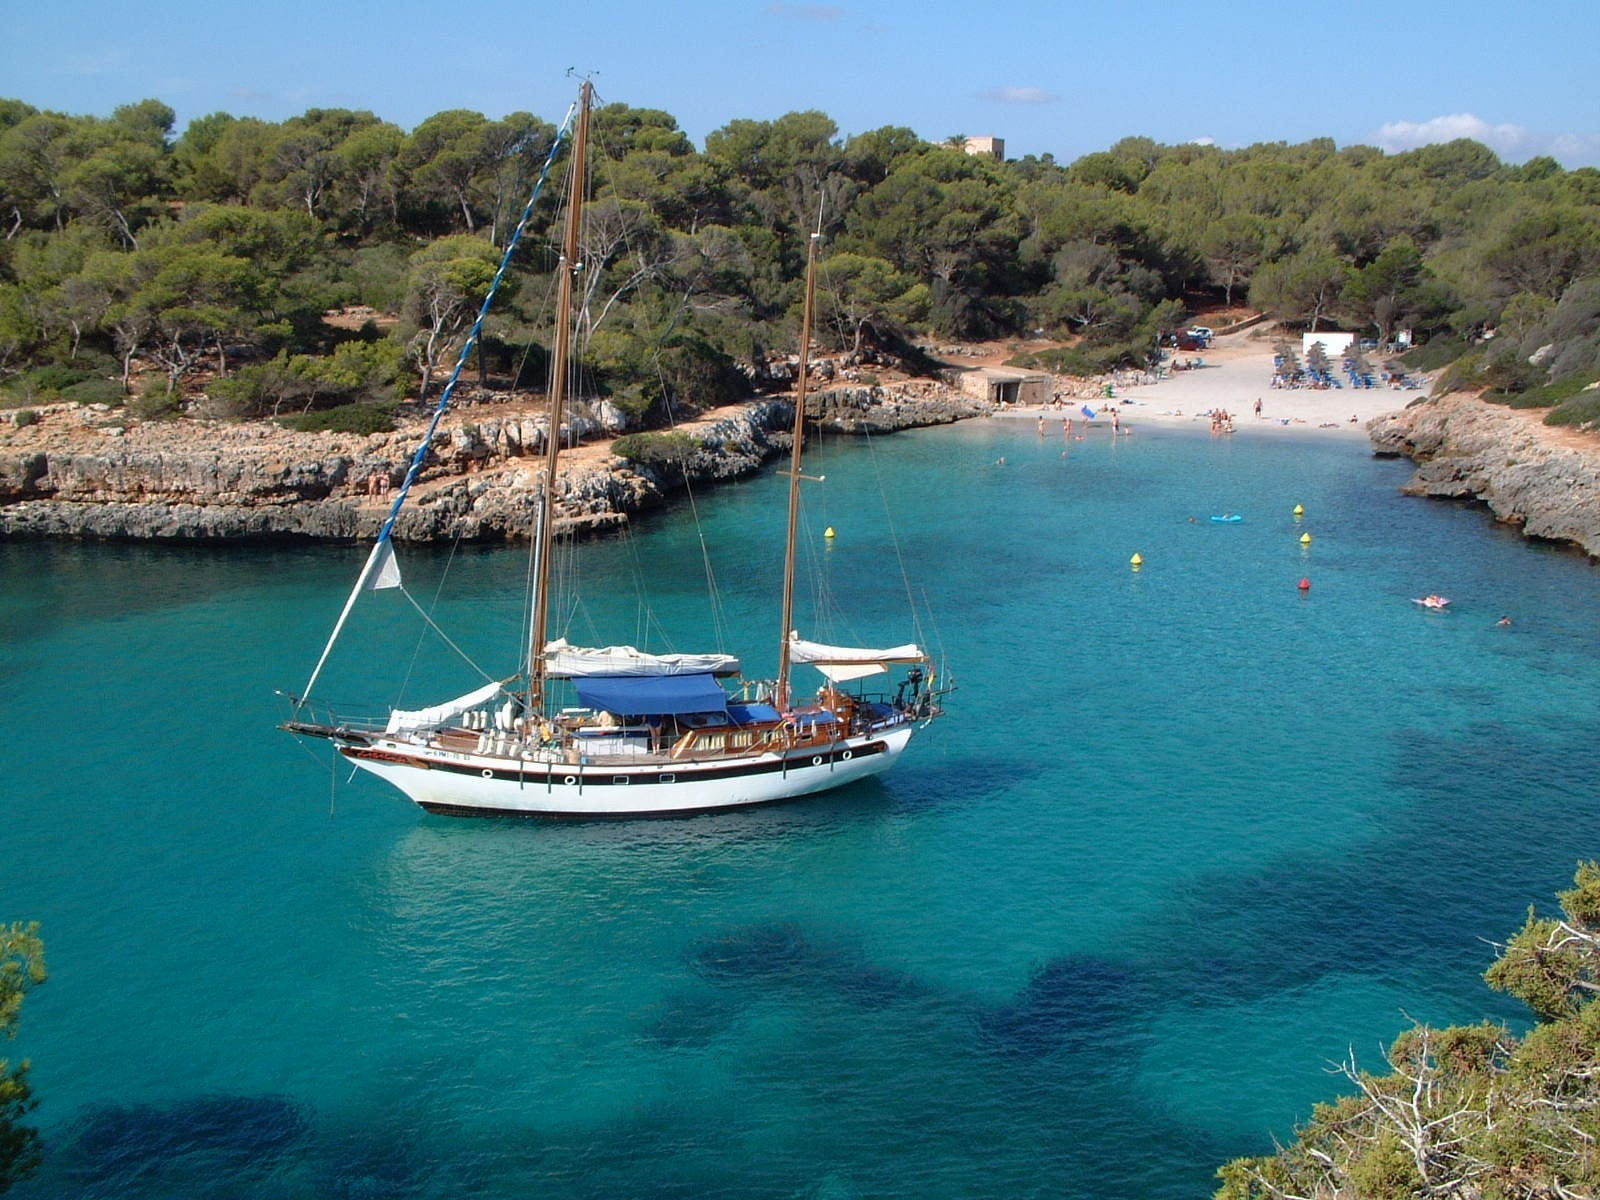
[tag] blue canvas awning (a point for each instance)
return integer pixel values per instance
(653, 695)
(750, 714)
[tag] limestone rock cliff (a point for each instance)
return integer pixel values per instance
(92, 472)
(1542, 478)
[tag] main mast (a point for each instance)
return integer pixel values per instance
(781, 696)
(561, 353)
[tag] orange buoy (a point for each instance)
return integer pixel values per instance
(1305, 585)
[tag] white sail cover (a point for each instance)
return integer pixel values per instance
(403, 721)
(562, 660)
(844, 663)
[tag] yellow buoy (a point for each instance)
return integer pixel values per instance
(828, 532)
(1137, 560)
(1299, 511)
(1305, 539)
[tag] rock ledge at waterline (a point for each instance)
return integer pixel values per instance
(94, 473)
(1542, 478)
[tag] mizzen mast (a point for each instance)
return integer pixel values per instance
(781, 691)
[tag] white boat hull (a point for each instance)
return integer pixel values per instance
(465, 784)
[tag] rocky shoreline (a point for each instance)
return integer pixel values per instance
(1543, 479)
(94, 473)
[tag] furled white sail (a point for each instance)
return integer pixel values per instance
(801, 650)
(844, 663)
(562, 660)
(404, 721)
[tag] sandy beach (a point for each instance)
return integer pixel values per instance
(1236, 372)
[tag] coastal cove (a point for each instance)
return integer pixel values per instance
(1241, 830)
(93, 473)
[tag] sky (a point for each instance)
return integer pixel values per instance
(1064, 78)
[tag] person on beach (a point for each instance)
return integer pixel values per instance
(1041, 426)
(1258, 407)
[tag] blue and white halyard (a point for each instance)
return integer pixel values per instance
(649, 734)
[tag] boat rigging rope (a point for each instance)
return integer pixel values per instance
(627, 237)
(477, 327)
(445, 637)
(378, 559)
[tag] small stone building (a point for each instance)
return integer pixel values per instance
(1006, 385)
(994, 147)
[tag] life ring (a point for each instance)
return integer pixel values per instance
(816, 760)
(487, 773)
(570, 780)
(848, 755)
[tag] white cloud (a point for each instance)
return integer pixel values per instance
(1018, 95)
(1573, 150)
(1513, 143)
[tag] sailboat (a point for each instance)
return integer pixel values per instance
(591, 732)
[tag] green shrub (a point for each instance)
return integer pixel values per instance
(1461, 375)
(96, 390)
(1440, 352)
(656, 449)
(156, 404)
(57, 381)
(686, 373)
(1560, 391)
(53, 377)
(1529, 399)
(1508, 374)
(347, 418)
(356, 373)
(1064, 360)
(26, 417)
(1083, 360)
(1582, 409)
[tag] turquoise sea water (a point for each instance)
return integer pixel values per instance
(1187, 836)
